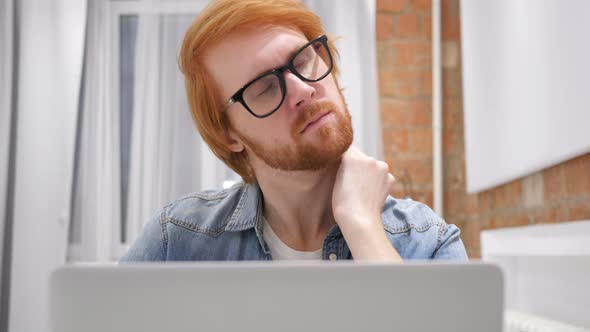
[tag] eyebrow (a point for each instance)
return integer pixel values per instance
(292, 52)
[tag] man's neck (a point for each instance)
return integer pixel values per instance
(298, 205)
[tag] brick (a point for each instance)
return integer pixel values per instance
(485, 223)
(450, 54)
(580, 211)
(452, 141)
(451, 83)
(419, 169)
(577, 175)
(406, 185)
(508, 195)
(423, 197)
(453, 105)
(454, 173)
(384, 55)
(536, 216)
(402, 183)
(386, 86)
(451, 28)
(421, 140)
(473, 253)
(426, 83)
(422, 171)
(470, 234)
(406, 83)
(391, 5)
(493, 223)
(520, 219)
(384, 29)
(395, 141)
(455, 202)
(422, 5)
(452, 113)
(404, 113)
(412, 53)
(396, 113)
(427, 27)
(484, 201)
(428, 198)
(406, 25)
(554, 182)
(473, 205)
(450, 8)
(533, 190)
(394, 170)
(555, 214)
(448, 118)
(512, 220)
(397, 194)
(422, 111)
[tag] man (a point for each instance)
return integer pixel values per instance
(261, 80)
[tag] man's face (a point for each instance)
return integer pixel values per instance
(310, 130)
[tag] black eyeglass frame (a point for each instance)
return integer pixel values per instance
(280, 72)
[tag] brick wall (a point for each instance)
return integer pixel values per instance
(405, 84)
(556, 194)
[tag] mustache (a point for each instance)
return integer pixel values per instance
(309, 111)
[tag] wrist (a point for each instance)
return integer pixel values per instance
(359, 222)
(368, 241)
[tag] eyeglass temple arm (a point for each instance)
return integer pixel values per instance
(229, 103)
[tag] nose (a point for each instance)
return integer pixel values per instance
(299, 93)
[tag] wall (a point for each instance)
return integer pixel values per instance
(405, 79)
(559, 193)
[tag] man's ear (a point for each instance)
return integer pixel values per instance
(233, 141)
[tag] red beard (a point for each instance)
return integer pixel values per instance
(335, 139)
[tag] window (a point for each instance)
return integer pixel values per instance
(138, 148)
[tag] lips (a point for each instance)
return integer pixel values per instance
(314, 120)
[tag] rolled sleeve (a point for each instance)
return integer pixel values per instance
(450, 247)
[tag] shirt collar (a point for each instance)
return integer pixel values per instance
(248, 209)
(249, 214)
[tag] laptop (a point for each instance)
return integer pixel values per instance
(277, 296)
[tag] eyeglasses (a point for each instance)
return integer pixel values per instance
(265, 94)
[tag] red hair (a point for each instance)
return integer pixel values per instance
(215, 22)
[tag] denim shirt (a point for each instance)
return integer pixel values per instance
(227, 225)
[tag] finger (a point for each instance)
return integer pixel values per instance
(392, 177)
(390, 181)
(381, 166)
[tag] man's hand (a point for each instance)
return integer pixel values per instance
(361, 186)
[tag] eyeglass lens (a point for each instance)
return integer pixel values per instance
(265, 94)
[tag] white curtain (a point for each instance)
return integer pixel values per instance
(138, 148)
(6, 53)
(354, 23)
(50, 52)
(168, 157)
(96, 199)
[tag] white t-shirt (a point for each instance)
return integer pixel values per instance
(280, 251)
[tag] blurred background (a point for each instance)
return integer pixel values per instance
(550, 188)
(479, 107)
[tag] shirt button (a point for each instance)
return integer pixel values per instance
(333, 257)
